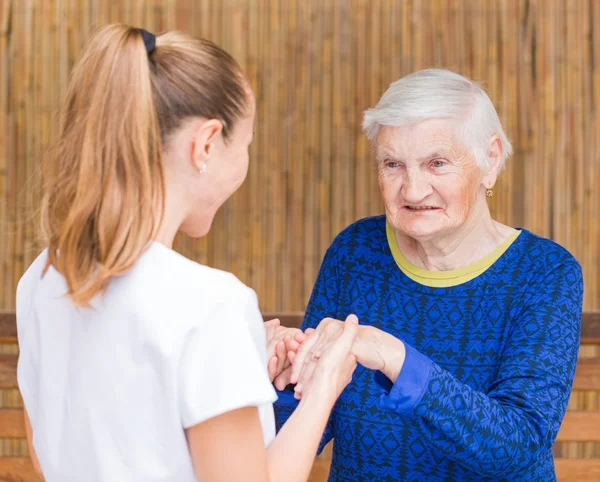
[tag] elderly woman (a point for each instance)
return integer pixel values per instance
(470, 328)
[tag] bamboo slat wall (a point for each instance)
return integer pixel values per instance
(315, 65)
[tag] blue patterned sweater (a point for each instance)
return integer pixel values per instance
(488, 370)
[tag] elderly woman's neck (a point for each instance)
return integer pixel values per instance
(471, 242)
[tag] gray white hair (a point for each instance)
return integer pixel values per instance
(439, 94)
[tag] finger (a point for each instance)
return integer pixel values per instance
(350, 332)
(271, 347)
(292, 344)
(306, 372)
(352, 318)
(273, 336)
(308, 331)
(306, 376)
(350, 328)
(281, 356)
(283, 379)
(302, 353)
(291, 355)
(331, 333)
(300, 336)
(273, 322)
(318, 349)
(343, 344)
(272, 367)
(280, 349)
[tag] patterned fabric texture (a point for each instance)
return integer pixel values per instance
(494, 358)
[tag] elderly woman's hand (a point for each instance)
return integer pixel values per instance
(333, 370)
(282, 344)
(373, 349)
(307, 357)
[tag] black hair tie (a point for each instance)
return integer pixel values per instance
(149, 40)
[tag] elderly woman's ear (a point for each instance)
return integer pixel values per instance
(494, 156)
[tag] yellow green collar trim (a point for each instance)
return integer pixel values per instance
(444, 279)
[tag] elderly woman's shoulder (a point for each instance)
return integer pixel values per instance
(367, 234)
(370, 229)
(545, 254)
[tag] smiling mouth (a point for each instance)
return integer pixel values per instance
(421, 208)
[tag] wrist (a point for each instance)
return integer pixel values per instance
(377, 350)
(321, 395)
(367, 348)
(394, 354)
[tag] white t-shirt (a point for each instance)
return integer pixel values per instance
(110, 390)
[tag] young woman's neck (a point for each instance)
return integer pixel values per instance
(173, 216)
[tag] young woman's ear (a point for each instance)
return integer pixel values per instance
(206, 135)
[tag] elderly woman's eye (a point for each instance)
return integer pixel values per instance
(438, 163)
(389, 163)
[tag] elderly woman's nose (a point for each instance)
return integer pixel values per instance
(416, 186)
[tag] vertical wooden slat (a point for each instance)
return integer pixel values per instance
(6, 14)
(315, 67)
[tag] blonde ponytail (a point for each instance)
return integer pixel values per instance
(104, 179)
(104, 186)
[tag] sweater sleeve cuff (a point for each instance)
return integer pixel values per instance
(408, 390)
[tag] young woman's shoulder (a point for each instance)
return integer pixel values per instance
(170, 271)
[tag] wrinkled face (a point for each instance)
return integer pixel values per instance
(431, 184)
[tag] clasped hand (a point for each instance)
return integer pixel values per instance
(313, 357)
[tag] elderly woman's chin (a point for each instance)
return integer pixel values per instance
(420, 224)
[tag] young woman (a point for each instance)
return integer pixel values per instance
(136, 363)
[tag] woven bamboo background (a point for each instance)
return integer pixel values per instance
(315, 65)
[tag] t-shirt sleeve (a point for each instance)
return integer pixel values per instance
(222, 367)
(27, 366)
